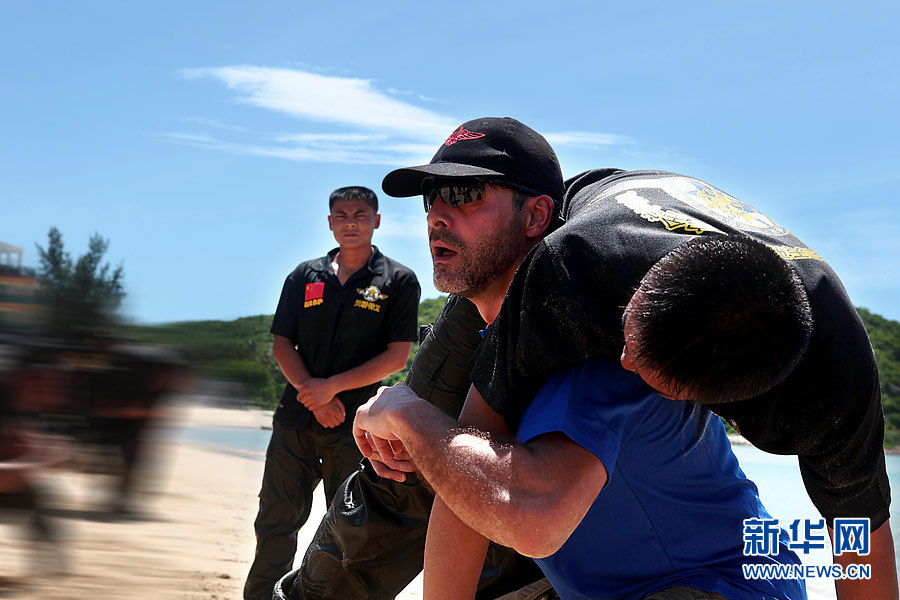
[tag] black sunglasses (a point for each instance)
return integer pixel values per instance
(456, 192)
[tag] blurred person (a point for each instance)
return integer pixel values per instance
(102, 394)
(123, 395)
(27, 383)
(344, 322)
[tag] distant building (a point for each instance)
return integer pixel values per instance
(7, 253)
(19, 303)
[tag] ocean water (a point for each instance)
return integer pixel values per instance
(777, 478)
(250, 441)
(782, 492)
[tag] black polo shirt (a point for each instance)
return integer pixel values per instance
(566, 301)
(337, 327)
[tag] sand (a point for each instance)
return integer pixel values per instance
(193, 539)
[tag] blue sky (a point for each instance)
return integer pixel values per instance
(203, 138)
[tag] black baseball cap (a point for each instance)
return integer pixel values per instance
(487, 147)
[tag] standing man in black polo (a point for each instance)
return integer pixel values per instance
(344, 322)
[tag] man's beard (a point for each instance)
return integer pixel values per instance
(477, 265)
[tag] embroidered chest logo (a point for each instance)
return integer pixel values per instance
(312, 294)
(370, 295)
(462, 134)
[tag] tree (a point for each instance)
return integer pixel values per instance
(885, 336)
(84, 293)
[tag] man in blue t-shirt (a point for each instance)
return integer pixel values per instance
(675, 501)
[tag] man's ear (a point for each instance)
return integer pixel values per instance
(377, 220)
(329, 223)
(539, 213)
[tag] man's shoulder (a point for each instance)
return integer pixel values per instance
(398, 272)
(309, 268)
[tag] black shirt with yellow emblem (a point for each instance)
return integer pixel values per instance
(337, 327)
(566, 301)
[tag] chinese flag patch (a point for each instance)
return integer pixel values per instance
(314, 291)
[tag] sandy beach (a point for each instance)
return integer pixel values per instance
(193, 538)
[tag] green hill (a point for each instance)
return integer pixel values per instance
(885, 337)
(241, 350)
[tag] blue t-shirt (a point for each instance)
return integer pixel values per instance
(672, 511)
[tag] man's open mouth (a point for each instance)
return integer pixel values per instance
(442, 251)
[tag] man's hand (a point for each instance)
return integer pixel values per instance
(396, 455)
(332, 414)
(377, 430)
(314, 393)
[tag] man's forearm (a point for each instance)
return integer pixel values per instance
(465, 469)
(316, 392)
(454, 555)
(289, 361)
(461, 466)
(501, 490)
(883, 583)
(375, 369)
(529, 497)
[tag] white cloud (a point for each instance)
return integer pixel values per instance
(309, 151)
(369, 126)
(348, 101)
(214, 124)
(324, 138)
(189, 138)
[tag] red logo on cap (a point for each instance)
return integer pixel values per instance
(462, 134)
